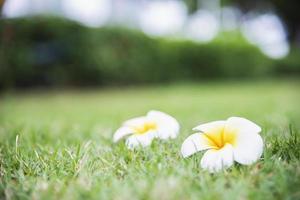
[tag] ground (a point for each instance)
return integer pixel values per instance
(58, 144)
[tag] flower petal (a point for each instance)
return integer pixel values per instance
(168, 127)
(136, 140)
(194, 143)
(248, 149)
(249, 144)
(134, 122)
(215, 160)
(243, 124)
(207, 127)
(122, 132)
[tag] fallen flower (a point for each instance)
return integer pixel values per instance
(236, 139)
(142, 130)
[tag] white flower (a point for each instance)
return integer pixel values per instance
(142, 130)
(236, 139)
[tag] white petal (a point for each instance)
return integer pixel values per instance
(168, 127)
(194, 143)
(216, 160)
(143, 140)
(207, 127)
(243, 124)
(122, 132)
(248, 147)
(134, 122)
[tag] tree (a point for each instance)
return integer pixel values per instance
(288, 10)
(1, 6)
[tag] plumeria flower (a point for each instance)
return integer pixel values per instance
(141, 131)
(236, 139)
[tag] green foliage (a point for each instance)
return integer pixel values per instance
(58, 145)
(50, 51)
(289, 65)
(41, 51)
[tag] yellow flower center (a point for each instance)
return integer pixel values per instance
(218, 137)
(147, 126)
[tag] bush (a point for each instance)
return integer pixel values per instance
(290, 65)
(49, 51)
(39, 51)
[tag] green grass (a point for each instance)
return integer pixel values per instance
(58, 144)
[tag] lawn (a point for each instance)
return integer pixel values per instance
(58, 144)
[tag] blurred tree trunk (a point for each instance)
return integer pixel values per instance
(1, 6)
(192, 5)
(290, 13)
(287, 10)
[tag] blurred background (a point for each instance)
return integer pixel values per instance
(72, 71)
(72, 43)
